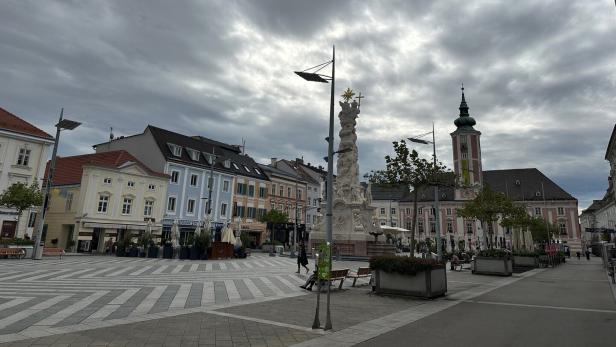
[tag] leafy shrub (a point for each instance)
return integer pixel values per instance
(494, 253)
(523, 253)
(17, 242)
(403, 265)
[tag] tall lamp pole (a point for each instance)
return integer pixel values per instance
(315, 77)
(63, 124)
(439, 246)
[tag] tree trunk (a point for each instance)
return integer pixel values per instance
(414, 222)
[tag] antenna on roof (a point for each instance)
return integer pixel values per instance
(110, 134)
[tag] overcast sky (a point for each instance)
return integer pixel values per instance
(539, 75)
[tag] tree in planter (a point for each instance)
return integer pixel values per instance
(21, 197)
(273, 217)
(540, 231)
(516, 217)
(407, 168)
(202, 242)
(487, 207)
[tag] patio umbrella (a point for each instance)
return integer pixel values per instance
(198, 230)
(227, 235)
(175, 234)
(529, 240)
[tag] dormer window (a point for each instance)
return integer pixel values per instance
(246, 168)
(227, 163)
(194, 155)
(538, 193)
(175, 149)
(257, 171)
(209, 158)
(107, 180)
(235, 166)
(130, 184)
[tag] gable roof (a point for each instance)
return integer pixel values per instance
(70, 169)
(276, 172)
(518, 184)
(202, 144)
(298, 168)
(12, 123)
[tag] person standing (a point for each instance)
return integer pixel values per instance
(578, 254)
(588, 253)
(302, 258)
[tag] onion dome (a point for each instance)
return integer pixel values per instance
(464, 120)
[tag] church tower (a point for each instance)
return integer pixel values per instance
(466, 153)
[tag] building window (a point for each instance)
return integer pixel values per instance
(223, 209)
(171, 204)
(225, 186)
(175, 176)
(262, 192)
(251, 190)
(432, 226)
(251, 212)
(419, 211)
(382, 210)
(393, 211)
(469, 227)
(409, 225)
(175, 149)
(273, 189)
(209, 158)
(210, 182)
(561, 211)
(130, 184)
(420, 227)
(240, 211)
(537, 211)
(408, 211)
(127, 206)
(227, 163)
(246, 168)
(449, 227)
(31, 219)
(288, 192)
(193, 180)
(281, 207)
(241, 188)
(562, 227)
(107, 181)
(448, 211)
(299, 194)
(151, 187)
(103, 203)
(24, 157)
(69, 201)
(194, 155)
(147, 208)
(394, 223)
(383, 223)
(190, 207)
(281, 190)
(235, 166)
(432, 210)
(257, 171)
(314, 202)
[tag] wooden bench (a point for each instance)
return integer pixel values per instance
(338, 275)
(360, 273)
(53, 251)
(12, 252)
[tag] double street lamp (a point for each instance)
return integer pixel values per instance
(439, 246)
(63, 124)
(314, 76)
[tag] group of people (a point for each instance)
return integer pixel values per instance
(587, 252)
(302, 261)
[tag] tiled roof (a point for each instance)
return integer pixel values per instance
(517, 184)
(202, 144)
(70, 169)
(388, 192)
(11, 122)
(272, 171)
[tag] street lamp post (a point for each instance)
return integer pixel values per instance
(63, 124)
(439, 246)
(315, 77)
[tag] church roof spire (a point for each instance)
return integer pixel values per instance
(464, 119)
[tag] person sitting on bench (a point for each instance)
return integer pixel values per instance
(455, 261)
(311, 280)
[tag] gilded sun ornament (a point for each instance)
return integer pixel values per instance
(348, 94)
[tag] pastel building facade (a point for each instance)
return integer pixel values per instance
(99, 197)
(24, 150)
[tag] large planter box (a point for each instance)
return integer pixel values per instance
(167, 252)
(28, 249)
(521, 261)
(153, 252)
(425, 284)
(493, 266)
(195, 253)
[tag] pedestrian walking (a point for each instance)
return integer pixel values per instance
(302, 258)
(578, 254)
(588, 253)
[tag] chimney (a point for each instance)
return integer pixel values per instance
(273, 163)
(299, 160)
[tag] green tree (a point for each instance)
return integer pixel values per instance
(540, 230)
(409, 169)
(274, 217)
(487, 207)
(21, 197)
